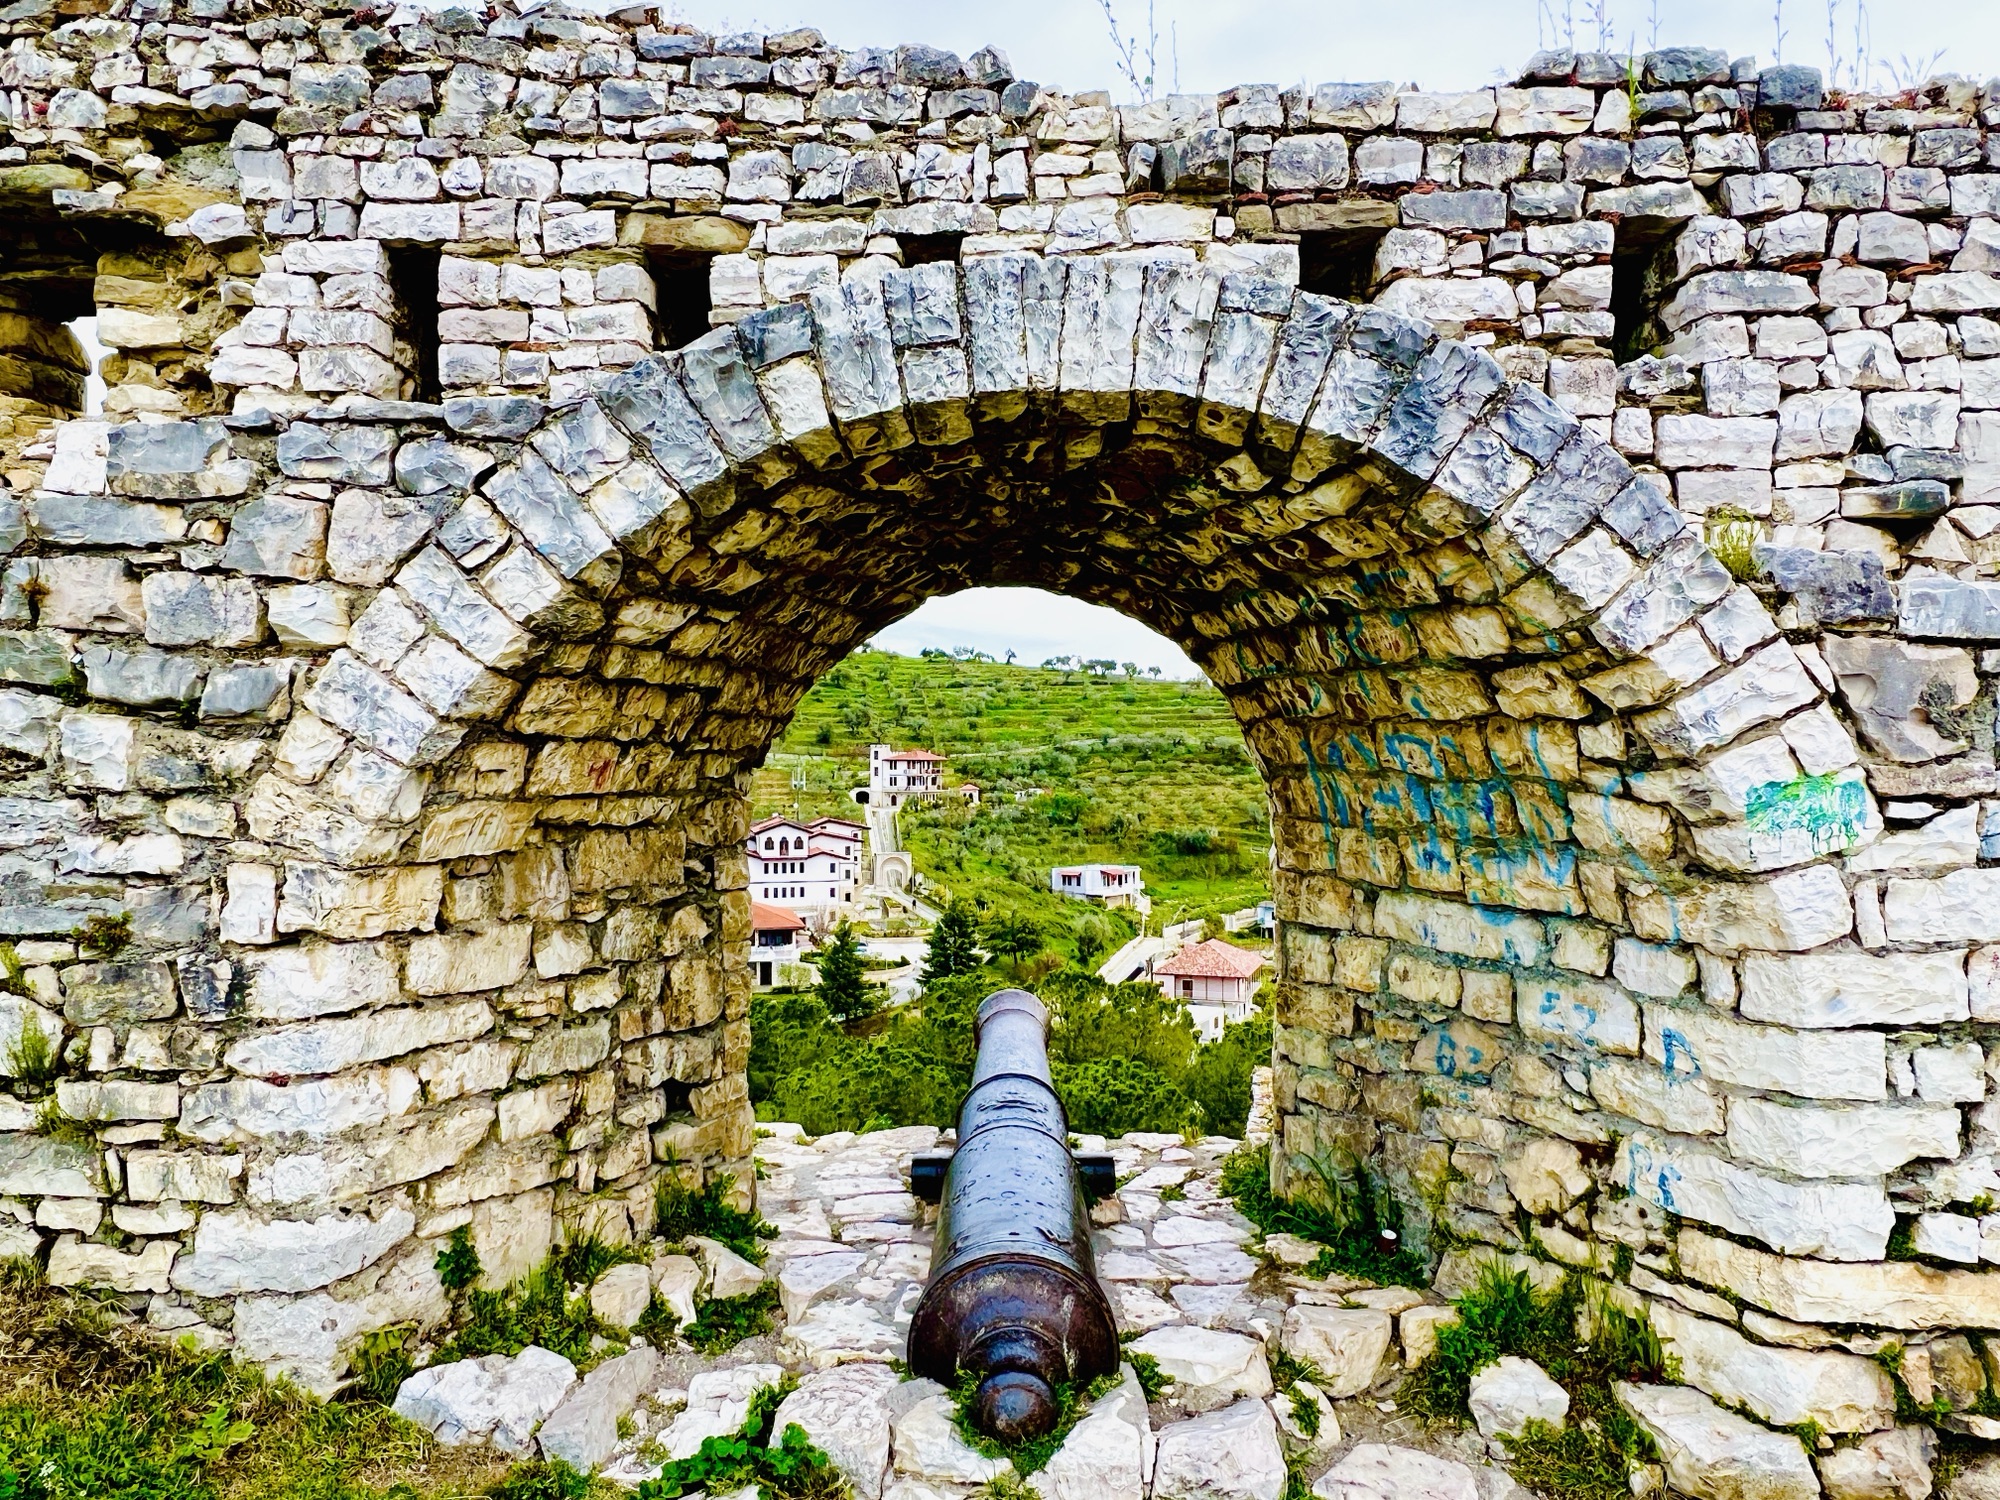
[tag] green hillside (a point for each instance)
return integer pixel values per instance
(1074, 765)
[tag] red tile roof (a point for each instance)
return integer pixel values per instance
(912, 755)
(1213, 959)
(765, 918)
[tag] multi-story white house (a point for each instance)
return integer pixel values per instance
(895, 776)
(1109, 885)
(1215, 982)
(810, 869)
(778, 945)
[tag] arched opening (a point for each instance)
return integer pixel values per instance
(1448, 619)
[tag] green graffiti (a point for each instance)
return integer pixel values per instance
(1830, 810)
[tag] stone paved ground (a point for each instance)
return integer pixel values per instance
(1187, 1276)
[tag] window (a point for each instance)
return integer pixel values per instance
(413, 281)
(680, 290)
(1339, 262)
(1187, 989)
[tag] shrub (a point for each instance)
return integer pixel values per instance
(680, 1211)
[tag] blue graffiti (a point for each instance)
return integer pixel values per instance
(1676, 1051)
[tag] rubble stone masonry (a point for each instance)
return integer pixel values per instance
(1586, 491)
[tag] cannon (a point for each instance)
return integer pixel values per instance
(1013, 1298)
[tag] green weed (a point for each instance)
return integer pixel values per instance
(1347, 1215)
(680, 1211)
(792, 1469)
(457, 1264)
(727, 1321)
(548, 1480)
(103, 1411)
(536, 1309)
(584, 1259)
(1152, 1379)
(13, 973)
(1033, 1455)
(1590, 1457)
(381, 1365)
(105, 936)
(32, 1059)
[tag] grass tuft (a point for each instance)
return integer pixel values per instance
(792, 1469)
(727, 1321)
(1592, 1455)
(1347, 1214)
(1033, 1455)
(681, 1211)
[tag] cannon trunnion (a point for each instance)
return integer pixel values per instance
(1013, 1296)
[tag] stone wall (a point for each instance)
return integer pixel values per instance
(385, 671)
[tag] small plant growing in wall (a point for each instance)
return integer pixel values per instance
(107, 937)
(457, 1263)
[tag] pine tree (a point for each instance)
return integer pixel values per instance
(842, 989)
(954, 944)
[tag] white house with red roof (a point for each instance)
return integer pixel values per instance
(1109, 885)
(1216, 982)
(778, 945)
(895, 776)
(810, 869)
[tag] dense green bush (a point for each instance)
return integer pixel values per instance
(1124, 1058)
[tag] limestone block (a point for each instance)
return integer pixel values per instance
(925, 1445)
(1893, 1294)
(845, 1413)
(1378, 1471)
(332, 1046)
(1862, 989)
(1348, 1344)
(77, 1262)
(1232, 1454)
(219, 1112)
(1851, 1140)
(1842, 1221)
(1510, 1393)
(34, 1166)
(583, 1430)
(296, 983)
(494, 1400)
(1546, 1175)
(1109, 1455)
(1839, 1392)
(620, 1295)
(235, 1252)
(1211, 1368)
(1713, 1454)
(1892, 1465)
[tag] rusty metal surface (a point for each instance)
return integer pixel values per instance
(1013, 1296)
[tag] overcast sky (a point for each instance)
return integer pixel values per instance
(1438, 44)
(1214, 44)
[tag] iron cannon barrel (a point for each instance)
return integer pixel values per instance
(1013, 1297)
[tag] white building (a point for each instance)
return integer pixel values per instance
(810, 869)
(1215, 982)
(778, 945)
(1109, 885)
(895, 776)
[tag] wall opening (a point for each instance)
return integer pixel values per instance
(413, 282)
(1638, 273)
(680, 286)
(1339, 262)
(922, 249)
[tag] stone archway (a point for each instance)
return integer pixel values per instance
(1450, 620)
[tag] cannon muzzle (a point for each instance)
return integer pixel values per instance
(1013, 1297)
